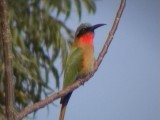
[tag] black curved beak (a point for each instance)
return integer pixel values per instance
(96, 26)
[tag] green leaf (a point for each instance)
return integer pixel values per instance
(67, 4)
(56, 75)
(79, 8)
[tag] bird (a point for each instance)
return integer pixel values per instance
(80, 60)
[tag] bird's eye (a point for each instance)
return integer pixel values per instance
(83, 29)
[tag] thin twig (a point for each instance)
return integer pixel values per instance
(79, 82)
(8, 81)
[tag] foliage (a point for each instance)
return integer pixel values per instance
(38, 37)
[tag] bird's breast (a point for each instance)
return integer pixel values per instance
(87, 57)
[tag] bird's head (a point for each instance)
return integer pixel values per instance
(85, 32)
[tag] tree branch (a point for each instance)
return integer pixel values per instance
(79, 82)
(8, 81)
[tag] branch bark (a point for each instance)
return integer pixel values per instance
(79, 82)
(8, 81)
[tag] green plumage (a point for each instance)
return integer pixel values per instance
(71, 72)
(72, 66)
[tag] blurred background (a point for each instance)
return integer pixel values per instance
(127, 83)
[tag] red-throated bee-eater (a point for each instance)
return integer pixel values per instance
(80, 60)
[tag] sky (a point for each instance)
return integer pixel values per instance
(127, 83)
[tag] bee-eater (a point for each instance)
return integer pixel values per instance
(80, 60)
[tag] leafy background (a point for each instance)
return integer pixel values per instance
(39, 36)
(127, 84)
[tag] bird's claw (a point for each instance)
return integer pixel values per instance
(82, 82)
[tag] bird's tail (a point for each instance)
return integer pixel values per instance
(62, 113)
(64, 102)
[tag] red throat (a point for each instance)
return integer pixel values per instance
(87, 38)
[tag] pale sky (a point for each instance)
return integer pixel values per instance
(127, 83)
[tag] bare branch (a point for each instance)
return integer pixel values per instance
(79, 82)
(8, 81)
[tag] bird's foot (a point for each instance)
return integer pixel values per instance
(80, 78)
(82, 82)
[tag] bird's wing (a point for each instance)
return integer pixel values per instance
(73, 65)
(71, 70)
